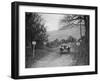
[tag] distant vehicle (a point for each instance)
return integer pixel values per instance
(65, 48)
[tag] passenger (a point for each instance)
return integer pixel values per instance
(68, 49)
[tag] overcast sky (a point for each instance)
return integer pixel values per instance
(52, 21)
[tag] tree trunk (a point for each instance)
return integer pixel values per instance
(86, 19)
(80, 30)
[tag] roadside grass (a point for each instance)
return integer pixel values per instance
(39, 53)
(82, 56)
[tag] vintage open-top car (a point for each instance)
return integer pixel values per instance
(64, 48)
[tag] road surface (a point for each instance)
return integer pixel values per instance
(54, 59)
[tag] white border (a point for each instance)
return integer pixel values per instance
(72, 69)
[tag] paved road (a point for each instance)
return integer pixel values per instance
(55, 59)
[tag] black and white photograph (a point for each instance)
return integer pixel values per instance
(50, 40)
(56, 40)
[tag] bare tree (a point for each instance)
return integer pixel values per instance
(77, 19)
